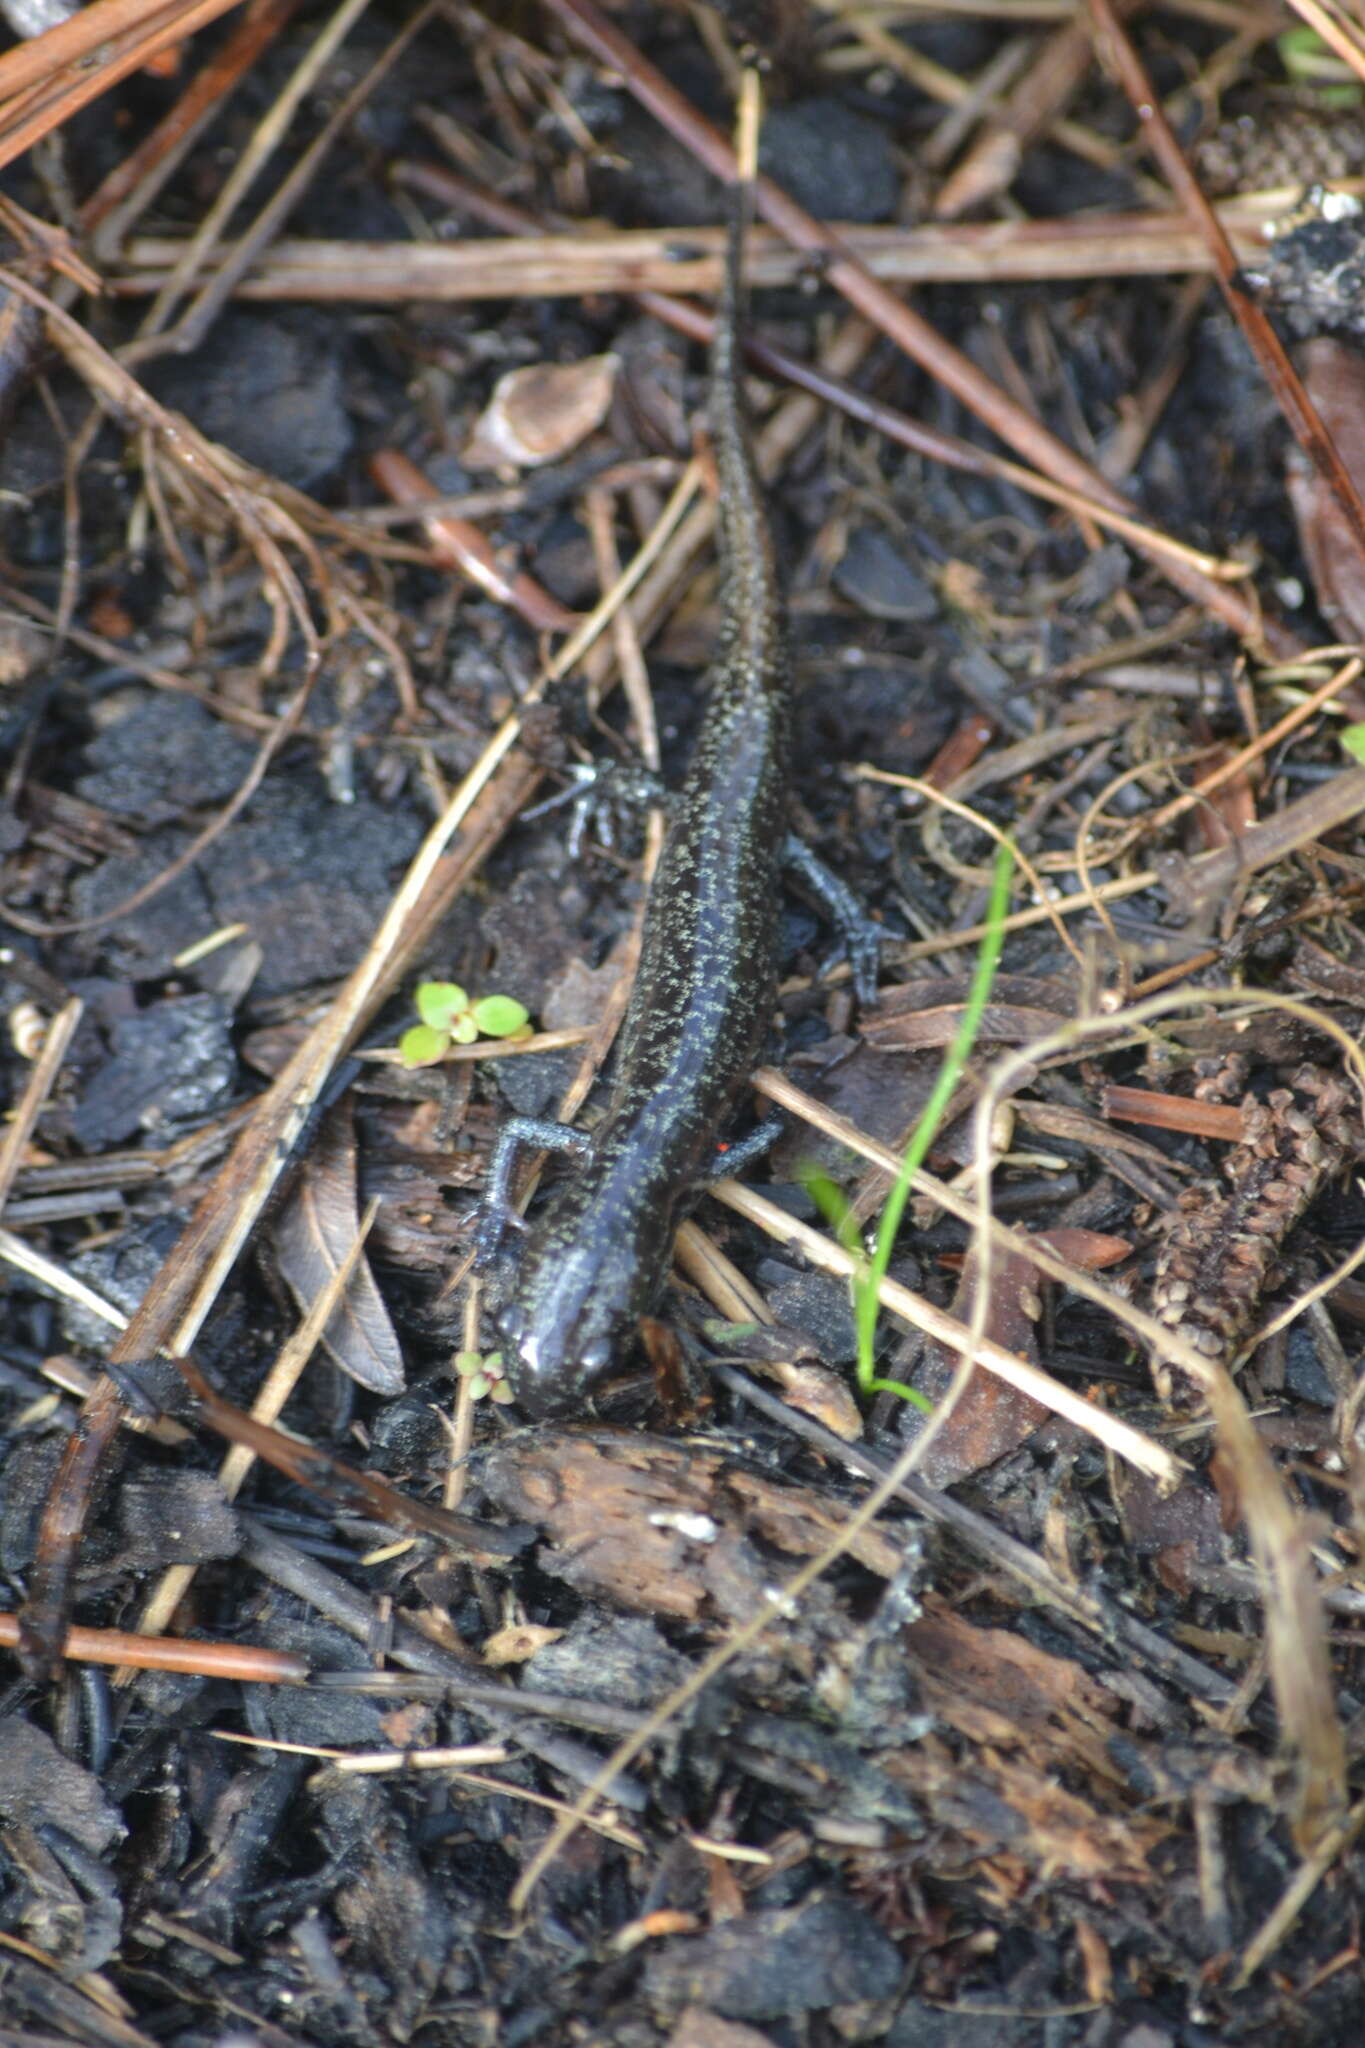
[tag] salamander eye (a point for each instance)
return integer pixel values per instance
(594, 1359)
(510, 1322)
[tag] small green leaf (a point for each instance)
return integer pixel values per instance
(500, 1016)
(833, 1204)
(423, 1046)
(1353, 740)
(1307, 58)
(719, 1333)
(440, 1002)
(484, 1375)
(464, 1030)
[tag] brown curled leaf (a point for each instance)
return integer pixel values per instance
(539, 413)
(1334, 378)
(313, 1239)
(992, 1418)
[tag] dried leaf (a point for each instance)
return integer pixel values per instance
(1334, 378)
(993, 1418)
(312, 1239)
(541, 412)
(928, 1011)
(519, 1643)
(815, 1390)
(1091, 1250)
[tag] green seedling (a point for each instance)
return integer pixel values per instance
(485, 1375)
(450, 1018)
(833, 1204)
(719, 1333)
(1352, 738)
(1309, 62)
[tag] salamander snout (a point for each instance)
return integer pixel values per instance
(552, 1365)
(586, 1276)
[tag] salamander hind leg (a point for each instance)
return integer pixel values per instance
(861, 935)
(732, 1158)
(600, 795)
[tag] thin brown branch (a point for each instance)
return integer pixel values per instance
(45, 81)
(460, 545)
(130, 187)
(37, 1088)
(166, 1653)
(1117, 50)
(557, 264)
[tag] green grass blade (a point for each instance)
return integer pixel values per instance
(954, 1064)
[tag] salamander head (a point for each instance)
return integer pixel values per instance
(566, 1319)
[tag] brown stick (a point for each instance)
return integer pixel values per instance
(136, 179)
(460, 545)
(169, 1653)
(1174, 1112)
(561, 264)
(44, 82)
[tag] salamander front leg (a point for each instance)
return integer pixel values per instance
(496, 1213)
(862, 935)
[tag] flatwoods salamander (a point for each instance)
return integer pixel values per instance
(703, 997)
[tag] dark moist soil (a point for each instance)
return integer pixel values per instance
(1009, 1775)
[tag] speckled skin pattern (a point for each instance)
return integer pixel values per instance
(702, 1002)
